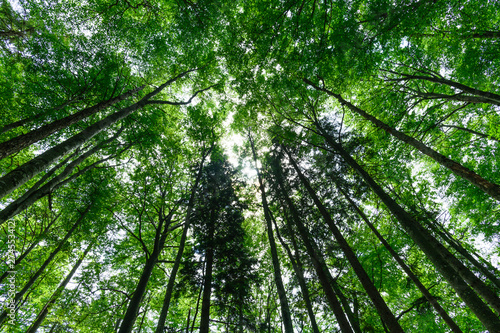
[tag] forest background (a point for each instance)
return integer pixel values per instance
(362, 193)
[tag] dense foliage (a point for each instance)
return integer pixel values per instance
(249, 166)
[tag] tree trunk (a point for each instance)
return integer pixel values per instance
(24, 202)
(207, 282)
(486, 186)
(377, 300)
(431, 299)
(19, 295)
(45, 311)
(299, 272)
(467, 255)
(31, 247)
(452, 270)
(187, 221)
(25, 172)
(319, 264)
(20, 142)
(492, 97)
(135, 302)
(482, 135)
(285, 309)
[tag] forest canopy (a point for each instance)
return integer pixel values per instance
(249, 166)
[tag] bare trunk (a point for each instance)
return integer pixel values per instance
(486, 186)
(187, 222)
(431, 299)
(452, 270)
(319, 264)
(377, 300)
(25, 172)
(26, 201)
(285, 308)
(45, 311)
(299, 272)
(20, 142)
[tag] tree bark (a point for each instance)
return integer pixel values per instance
(19, 295)
(25, 172)
(431, 299)
(467, 255)
(385, 313)
(450, 268)
(299, 272)
(52, 300)
(486, 186)
(18, 143)
(285, 308)
(319, 264)
(31, 247)
(207, 282)
(187, 222)
(26, 201)
(135, 302)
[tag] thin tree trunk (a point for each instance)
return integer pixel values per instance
(482, 135)
(19, 295)
(187, 222)
(285, 309)
(452, 270)
(377, 300)
(207, 284)
(319, 264)
(431, 299)
(467, 255)
(347, 309)
(45, 311)
(25, 172)
(492, 97)
(31, 247)
(299, 272)
(135, 302)
(486, 186)
(198, 302)
(20, 142)
(24, 202)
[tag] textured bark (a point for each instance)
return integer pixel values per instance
(285, 308)
(18, 143)
(53, 299)
(187, 222)
(450, 268)
(431, 299)
(25, 172)
(319, 264)
(383, 310)
(486, 186)
(19, 295)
